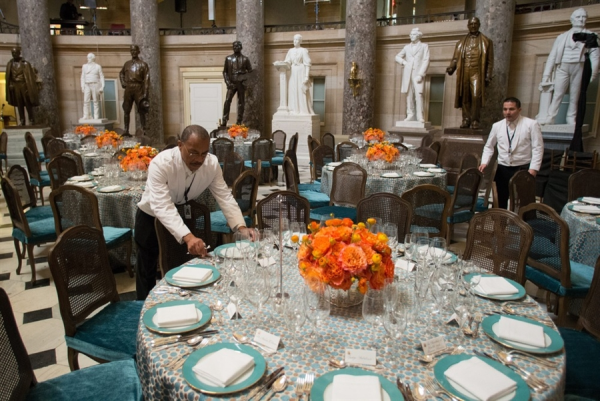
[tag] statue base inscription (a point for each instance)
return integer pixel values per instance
(304, 125)
(559, 136)
(16, 142)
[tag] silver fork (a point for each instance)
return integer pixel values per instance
(432, 389)
(300, 387)
(310, 379)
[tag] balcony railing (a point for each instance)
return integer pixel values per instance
(427, 18)
(552, 5)
(5, 27)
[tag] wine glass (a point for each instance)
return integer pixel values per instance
(437, 250)
(299, 229)
(409, 246)
(235, 291)
(395, 321)
(256, 288)
(294, 317)
(391, 230)
(422, 248)
(316, 306)
(372, 310)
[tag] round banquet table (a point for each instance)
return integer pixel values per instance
(244, 149)
(345, 328)
(581, 225)
(376, 183)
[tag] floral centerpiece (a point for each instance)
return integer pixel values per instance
(373, 135)
(85, 130)
(382, 151)
(138, 158)
(238, 131)
(108, 138)
(342, 253)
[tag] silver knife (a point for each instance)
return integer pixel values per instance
(269, 379)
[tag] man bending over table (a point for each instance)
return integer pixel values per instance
(175, 176)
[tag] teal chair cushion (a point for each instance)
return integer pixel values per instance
(39, 213)
(316, 186)
(263, 164)
(479, 207)
(115, 236)
(432, 211)
(111, 334)
(279, 153)
(218, 222)
(429, 230)
(460, 217)
(450, 189)
(339, 212)
(581, 279)
(3, 156)
(315, 199)
(41, 231)
(277, 161)
(110, 381)
(244, 204)
(44, 183)
(583, 353)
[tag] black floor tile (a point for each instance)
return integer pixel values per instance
(6, 255)
(43, 282)
(4, 276)
(41, 259)
(6, 239)
(37, 315)
(128, 296)
(43, 359)
(8, 225)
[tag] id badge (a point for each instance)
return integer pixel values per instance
(187, 211)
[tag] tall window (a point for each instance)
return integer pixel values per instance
(436, 99)
(590, 106)
(319, 97)
(110, 100)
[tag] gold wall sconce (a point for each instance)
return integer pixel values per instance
(354, 80)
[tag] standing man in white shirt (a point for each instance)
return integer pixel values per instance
(92, 86)
(520, 147)
(175, 176)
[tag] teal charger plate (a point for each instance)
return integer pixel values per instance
(215, 276)
(149, 315)
(317, 392)
(510, 297)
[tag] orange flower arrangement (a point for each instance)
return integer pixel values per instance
(85, 129)
(342, 252)
(108, 138)
(373, 134)
(238, 130)
(138, 158)
(382, 151)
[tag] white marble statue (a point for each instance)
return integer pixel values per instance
(415, 59)
(299, 97)
(566, 62)
(92, 86)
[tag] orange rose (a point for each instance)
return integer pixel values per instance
(320, 246)
(353, 259)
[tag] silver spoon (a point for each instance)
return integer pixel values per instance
(246, 340)
(341, 364)
(278, 386)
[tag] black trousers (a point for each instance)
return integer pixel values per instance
(147, 254)
(502, 178)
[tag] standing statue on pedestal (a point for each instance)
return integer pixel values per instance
(135, 79)
(299, 98)
(22, 89)
(566, 60)
(235, 72)
(92, 86)
(415, 59)
(474, 60)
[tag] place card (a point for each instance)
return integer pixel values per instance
(405, 265)
(453, 318)
(434, 345)
(266, 262)
(232, 312)
(267, 340)
(360, 357)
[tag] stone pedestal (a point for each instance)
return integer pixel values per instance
(413, 131)
(16, 142)
(304, 125)
(282, 67)
(467, 134)
(100, 124)
(559, 136)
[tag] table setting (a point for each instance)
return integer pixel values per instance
(583, 218)
(276, 331)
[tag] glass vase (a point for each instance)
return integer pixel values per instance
(346, 298)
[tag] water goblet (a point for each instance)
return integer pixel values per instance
(316, 297)
(372, 311)
(437, 250)
(395, 321)
(294, 318)
(391, 230)
(256, 289)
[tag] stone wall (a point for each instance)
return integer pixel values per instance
(533, 37)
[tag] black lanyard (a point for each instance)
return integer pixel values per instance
(187, 190)
(510, 138)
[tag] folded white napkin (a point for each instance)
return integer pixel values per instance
(408, 145)
(85, 184)
(223, 367)
(495, 286)
(111, 188)
(264, 262)
(356, 388)
(422, 174)
(248, 143)
(405, 265)
(427, 165)
(176, 316)
(521, 332)
(91, 154)
(390, 175)
(436, 170)
(592, 200)
(586, 208)
(190, 274)
(84, 177)
(480, 380)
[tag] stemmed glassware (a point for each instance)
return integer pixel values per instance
(234, 288)
(316, 306)
(299, 229)
(395, 321)
(372, 310)
(256, 288)
(294, 317)
(391, 230)
(437, 250)
(409, 246)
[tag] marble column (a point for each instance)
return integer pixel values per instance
(36, 48)
(250, 29)
(497, 20)
(360, 48)
(144, 33)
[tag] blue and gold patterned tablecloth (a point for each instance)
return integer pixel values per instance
(376, 183)
(584, 247)
(345, 328)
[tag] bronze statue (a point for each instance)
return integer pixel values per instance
(474, 59)
(135, 79)
(235, 72)
(22, 86)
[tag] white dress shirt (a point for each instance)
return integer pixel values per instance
(168, 179)
(527, 144)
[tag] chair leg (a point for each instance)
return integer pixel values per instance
(563, 304)
(31, 261)
(129, 268)
(19, 254)
(449, 233)
(42, 195)
(73, 357)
